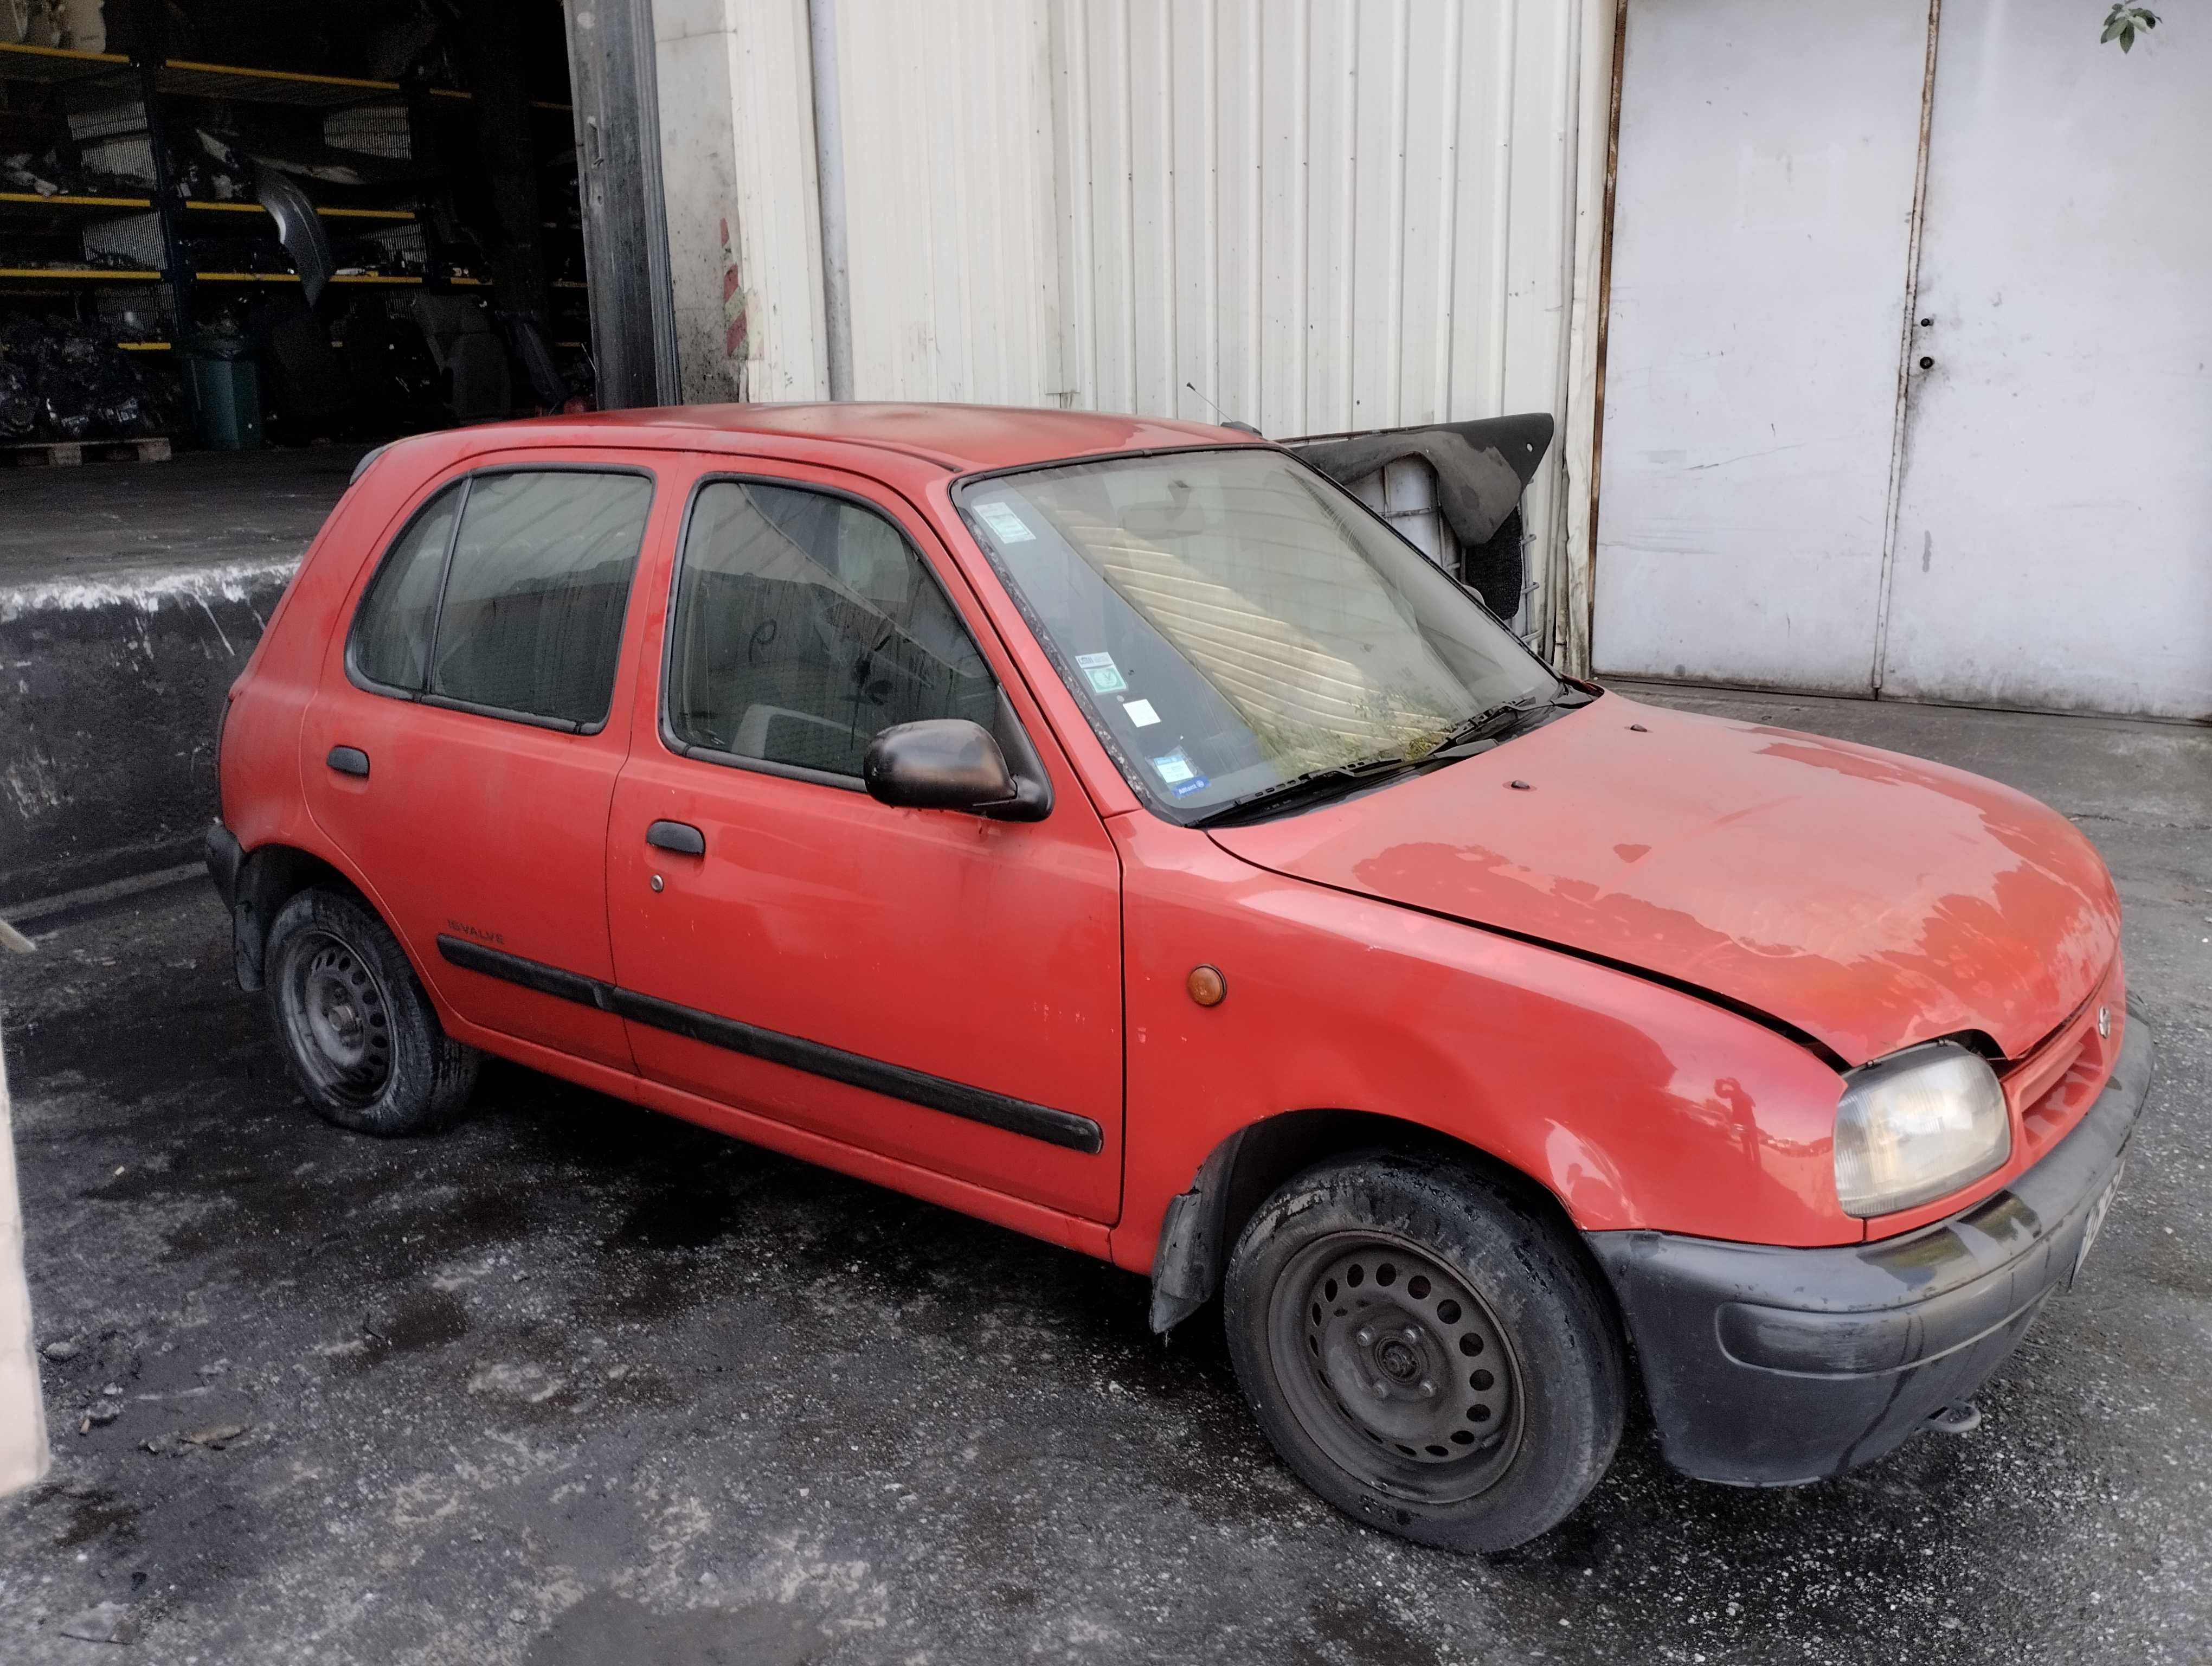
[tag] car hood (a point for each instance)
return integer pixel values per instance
(1868, 899)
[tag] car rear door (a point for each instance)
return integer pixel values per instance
(934, 986)
(462, 747)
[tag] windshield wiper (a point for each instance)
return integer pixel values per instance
(1498, 723)
(1315, 785)
(1502, 721)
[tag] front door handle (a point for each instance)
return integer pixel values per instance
(680, 836)
(348, 760)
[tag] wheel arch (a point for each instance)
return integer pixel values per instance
(1202, 1224)
(269, 875)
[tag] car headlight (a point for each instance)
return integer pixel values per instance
(1917, 1125)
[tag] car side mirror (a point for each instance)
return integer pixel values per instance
(939, 764)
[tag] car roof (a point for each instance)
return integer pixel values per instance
(962, 437)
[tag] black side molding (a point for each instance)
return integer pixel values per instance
(998, 1110)
(530, 974)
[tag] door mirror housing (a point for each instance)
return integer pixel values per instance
(939, 764)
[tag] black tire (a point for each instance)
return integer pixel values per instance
(359, 1035)
(1424, 1348)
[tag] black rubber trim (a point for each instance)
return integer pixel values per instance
(1055, 1127)
(998, 1110)
(224, 858)
(530, 974)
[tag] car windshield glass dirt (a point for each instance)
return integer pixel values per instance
(1234, 622)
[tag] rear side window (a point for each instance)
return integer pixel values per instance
(507, 594)
(804, 623)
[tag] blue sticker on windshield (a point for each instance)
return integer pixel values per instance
(1179, 773)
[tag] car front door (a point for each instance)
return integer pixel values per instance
(936, 987)
(462, 747)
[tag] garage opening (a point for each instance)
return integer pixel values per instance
(241, 243)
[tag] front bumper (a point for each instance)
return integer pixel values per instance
(1767, 1366)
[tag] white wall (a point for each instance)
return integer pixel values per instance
(1320, 215)
(23, 1455)
(1760, 247)
(1793, 498)
(2053, 545)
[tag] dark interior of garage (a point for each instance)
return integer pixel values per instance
(240, 224)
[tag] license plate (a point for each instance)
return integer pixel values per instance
(2097, 1214)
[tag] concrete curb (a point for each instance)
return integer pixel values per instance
(23, 1453)
(110, 691)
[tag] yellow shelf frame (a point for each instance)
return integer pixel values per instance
(33, 199)
(85, 274)
(199, 205)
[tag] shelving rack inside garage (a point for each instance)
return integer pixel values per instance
(160, 85)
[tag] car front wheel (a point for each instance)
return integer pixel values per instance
(1425, 1349)
(359, 1034)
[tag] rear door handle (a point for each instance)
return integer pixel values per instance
(348, 760)
(679, 837)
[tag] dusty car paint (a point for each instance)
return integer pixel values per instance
(1871, 901)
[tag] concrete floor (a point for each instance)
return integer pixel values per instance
(574, 1383)
(105, 522)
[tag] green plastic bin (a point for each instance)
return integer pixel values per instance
(225, 394)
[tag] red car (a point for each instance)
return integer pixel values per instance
(1110, 828)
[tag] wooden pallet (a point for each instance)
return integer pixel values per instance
(68, 454)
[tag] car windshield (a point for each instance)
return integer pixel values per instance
(1233, 622)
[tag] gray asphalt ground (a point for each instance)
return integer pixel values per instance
(579, 1384)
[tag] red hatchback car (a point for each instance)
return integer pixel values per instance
(1112, 829)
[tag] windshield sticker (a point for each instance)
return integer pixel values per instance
(1007, 527)
(1180, 773)
(1099, 669)
(1140, 713)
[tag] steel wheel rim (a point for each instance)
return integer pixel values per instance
(338, 1017)
(1395, 1366)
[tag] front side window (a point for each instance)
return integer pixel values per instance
(805, 623)
(1235, 623)
(506, 592)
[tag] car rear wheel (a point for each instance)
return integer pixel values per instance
(359, 1035)
(1424, 1348)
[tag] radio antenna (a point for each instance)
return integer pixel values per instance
(1227, 421)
